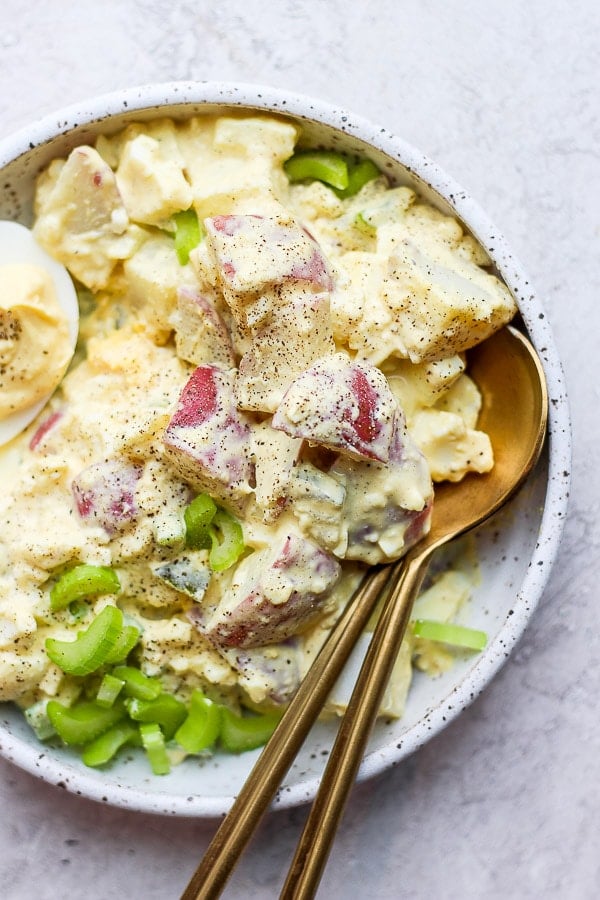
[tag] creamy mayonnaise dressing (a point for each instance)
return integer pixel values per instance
(305, 368)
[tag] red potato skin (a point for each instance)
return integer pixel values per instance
(256, 621)
(43, 429)
(198, 310)
(366, 427)
(301, 258)
(419, 526)
(417, 522)
(366, 435)
(207, 440)
(104, 494)
(198, 400)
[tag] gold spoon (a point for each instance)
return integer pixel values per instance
(514, 414)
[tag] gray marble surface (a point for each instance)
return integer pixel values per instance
(505, 96)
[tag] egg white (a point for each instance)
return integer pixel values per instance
(17, 245)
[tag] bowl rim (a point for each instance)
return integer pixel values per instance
(143, 97)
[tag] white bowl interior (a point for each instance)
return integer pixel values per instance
(516, 548)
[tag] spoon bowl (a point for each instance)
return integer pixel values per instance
(514, 413)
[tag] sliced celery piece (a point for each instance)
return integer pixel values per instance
(83, 722)
(138, 685)
(227, 541)
(361, 224)
(188, 234)
(109, 690)
(124, 644)
(104, 748)
(449, 633)
(92, 646)
(154, 745)
(165, 710)
(197, 517)
(318, 165)
(203, 724)
(241, 733)
(83, 581)
(359, 175)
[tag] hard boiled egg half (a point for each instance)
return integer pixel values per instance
(39, 323)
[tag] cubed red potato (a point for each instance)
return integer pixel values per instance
(366, 510)
(253, 252)
(201, 335)
(342, 405)
(44, 428)
(207, 440)
(291, 329)
(387, 506)
(275, 594)
(105, 494)
(272, 673)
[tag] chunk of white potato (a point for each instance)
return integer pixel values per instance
(152, 280)
(290, 330)
(450, 448)
(423, 385)
(201, 335)
(20, 672)
(81, 219)
(420, 295)
(234, 165)
(275, 454)
(442, 303)
(151, 181)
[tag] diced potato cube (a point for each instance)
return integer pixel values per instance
(451, 449)
(341, 405)
(82, 221)
(152, 183)
(105, 494)
(232, 169)
(201, 335)
(275, 454)
(380, 509)
(442, 303)
(207, 440)
(425, 384)
(153, 277)
(274, 594)
(254, 252)
(293, 333)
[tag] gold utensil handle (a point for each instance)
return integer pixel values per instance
(251, 803)
(347, 753)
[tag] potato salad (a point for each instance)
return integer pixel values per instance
(269, 380)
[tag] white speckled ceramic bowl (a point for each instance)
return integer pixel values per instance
(516, 550)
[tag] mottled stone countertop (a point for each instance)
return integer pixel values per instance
(505, 96)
